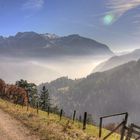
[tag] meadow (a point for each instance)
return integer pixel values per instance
(50, 127)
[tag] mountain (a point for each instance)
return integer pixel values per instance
(44, 45)
(117, 60)
(50, 36)
(102, 93)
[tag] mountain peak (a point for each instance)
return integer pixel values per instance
(50, 36)
(26, 34)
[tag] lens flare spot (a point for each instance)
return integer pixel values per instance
(108, 19)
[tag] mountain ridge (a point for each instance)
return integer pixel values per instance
(35, 44)
(117, 60)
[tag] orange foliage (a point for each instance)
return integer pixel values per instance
(13, 93)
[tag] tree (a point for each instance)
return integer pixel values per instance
(31, 89)
(44, 99)
(2, 87)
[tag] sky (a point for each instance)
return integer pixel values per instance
(113, 22)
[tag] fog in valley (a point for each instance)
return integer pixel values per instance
(40, 70)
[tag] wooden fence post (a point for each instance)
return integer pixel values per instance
(48, 110)
(61, 113)
(74, 115)
(85, 121)
(130, 130)
(37, 107)
(123, 127)
(27, 107)
(22, 104)
(100, 128)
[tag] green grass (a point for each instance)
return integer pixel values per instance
(50, 127)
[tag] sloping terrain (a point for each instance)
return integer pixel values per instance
(11, 129)
(117, 60)
(112, 91)
(46, 127)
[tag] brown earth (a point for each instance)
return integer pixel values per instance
(11, 129)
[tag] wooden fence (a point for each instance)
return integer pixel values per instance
(127, 132)
(133, 131)
(121, 124)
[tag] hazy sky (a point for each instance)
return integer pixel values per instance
(114, 22)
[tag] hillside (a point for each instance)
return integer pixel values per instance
(44, 126)
(115, 90)
(117, 60)
(32, 44)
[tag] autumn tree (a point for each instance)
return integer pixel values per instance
(31, 89)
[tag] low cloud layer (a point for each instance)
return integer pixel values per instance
(38, 71)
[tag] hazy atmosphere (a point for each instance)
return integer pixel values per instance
(111, 22)
(68, 69)
(38, 70)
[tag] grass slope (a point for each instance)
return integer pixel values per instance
(50, 127)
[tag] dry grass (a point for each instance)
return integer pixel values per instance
(50, 127)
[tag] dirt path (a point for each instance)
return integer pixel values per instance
(11, 129)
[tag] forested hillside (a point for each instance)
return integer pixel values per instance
(116, 90)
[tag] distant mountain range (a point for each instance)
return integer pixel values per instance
(113, 91)
(44, 45)
(117, 60)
